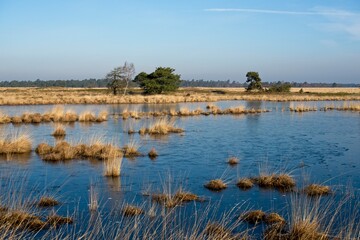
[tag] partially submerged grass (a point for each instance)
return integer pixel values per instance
(254, 216)
(132, 210)
(153, 153)
(131, 149)
(56, 220)
(15, 143)
(274, 218)
(216, 185)
(317, 190)
(233, 161)
(280, 181)
(46, 201)
(302, 108)
(163, 127)
(65, 151)
(112, 166)
(245, 183)
(59, 131)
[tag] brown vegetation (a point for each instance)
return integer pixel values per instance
(47, 202)
(59, 131)
(317, 190)
(65, 151)
(280, 181)
(15, 143)
(153, 153)
(216, 185)
(245, 183)
(233, 161)
(131, 210)
(254, 217)
(56, 220)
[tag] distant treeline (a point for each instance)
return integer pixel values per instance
(98, 83)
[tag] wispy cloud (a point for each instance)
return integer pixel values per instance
(266, 11)
(343, 21)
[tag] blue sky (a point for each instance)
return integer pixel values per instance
(297, 40)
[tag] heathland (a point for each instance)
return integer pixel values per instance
(35, 96)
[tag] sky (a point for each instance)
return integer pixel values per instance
(297, 40)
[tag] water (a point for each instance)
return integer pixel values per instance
(319, 147)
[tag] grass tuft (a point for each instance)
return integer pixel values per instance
(216, 185)
(245, 183)
(254, 217)
(131, 210)
(47, 202)
(317, 190)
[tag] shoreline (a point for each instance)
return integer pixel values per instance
(51, 96)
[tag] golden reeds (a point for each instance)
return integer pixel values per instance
(15, 143)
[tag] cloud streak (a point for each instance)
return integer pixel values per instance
(337, 20)
(280, 12)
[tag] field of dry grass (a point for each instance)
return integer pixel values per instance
(30, 96)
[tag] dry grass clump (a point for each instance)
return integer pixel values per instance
(102, 116)
(163, 127)
(112, 165)
(87, 116)
(16, 120)
(216, 185)
(47, 202)
(317, 190)
(350, 107)
(18, 219)
(245, 183)
(59, 131)
(274, 218)
(233, 161)
(4, 118)
(301, 108)
(254, 217)
(131, 149)
(43, 148)
(64, 151)
(131, 210)
(182, 196)
(217, 231)
(56, 220)
(15, 143)
(280, 181)
(153, 153)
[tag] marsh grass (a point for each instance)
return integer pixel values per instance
(47, 201)
(301, 108)
(232, 161)
(245, 183)
(132, 210)
(59, 131)
(15, 143)
(153, 153)
(254, 217)
(163, 127)
(112, 165)
(317, 190)
(216, 185)
(131, 149)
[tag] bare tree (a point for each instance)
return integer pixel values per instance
(120, 78)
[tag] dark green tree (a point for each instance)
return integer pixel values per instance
(120, 77)
(254, 81)
(161, 80)
(280, 87)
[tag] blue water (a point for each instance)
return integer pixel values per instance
(315, 147)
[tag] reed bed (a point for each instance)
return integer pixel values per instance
(57, 114)
(185, 112)
(15, 142)
(64, 151)
(301, 108)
